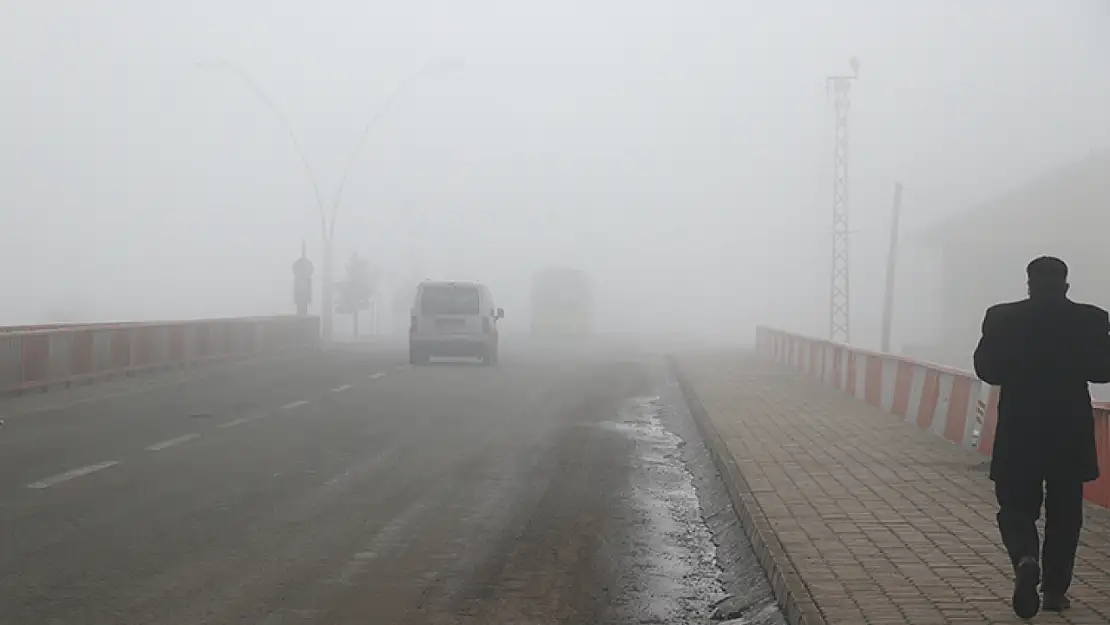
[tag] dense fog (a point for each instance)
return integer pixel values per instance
(680, 152)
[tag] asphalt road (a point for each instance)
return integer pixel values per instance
(346, 487)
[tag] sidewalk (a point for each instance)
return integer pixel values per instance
(860, 518)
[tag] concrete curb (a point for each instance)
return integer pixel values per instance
(791, 593)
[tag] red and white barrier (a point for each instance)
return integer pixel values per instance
(66, 354)
(63, 326)
(948, 402)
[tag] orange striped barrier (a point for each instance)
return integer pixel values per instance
(60, 355)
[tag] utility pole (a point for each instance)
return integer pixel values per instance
(839, 298)
(891, 264)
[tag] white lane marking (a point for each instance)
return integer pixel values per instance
(375, 376)
(340, 389)
(69, 475)
(241, 421)
(171, 442)
(294, 404)
(386, 540)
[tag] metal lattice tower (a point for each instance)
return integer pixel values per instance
(839, 298)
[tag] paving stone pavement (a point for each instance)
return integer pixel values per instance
(860, 518)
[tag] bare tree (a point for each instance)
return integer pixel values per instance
(357, 292)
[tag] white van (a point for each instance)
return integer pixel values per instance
(454, 320)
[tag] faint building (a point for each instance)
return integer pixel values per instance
(983, 251)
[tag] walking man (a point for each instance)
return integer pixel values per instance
(1043, 351)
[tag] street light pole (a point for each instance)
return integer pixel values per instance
(891, 267)
(328, 217)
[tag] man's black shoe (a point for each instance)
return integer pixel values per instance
(1056, 602)
(1027, 601)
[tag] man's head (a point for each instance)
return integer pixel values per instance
(1047, 277)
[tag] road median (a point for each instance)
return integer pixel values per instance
(63, 356)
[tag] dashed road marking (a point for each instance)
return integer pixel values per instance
(172, 442)
(75, 473)
(241, 421)
(375, 376)
(294, 404)
(340, 389)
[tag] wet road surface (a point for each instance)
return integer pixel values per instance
(346, 487)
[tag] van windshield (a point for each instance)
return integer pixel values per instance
(449, 300)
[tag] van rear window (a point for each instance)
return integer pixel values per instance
(449, 300)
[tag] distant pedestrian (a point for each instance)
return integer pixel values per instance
(1043, 351)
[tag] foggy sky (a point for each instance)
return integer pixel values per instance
(680, 151)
